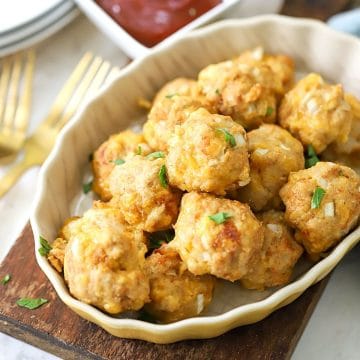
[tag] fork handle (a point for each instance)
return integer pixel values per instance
(13, 175)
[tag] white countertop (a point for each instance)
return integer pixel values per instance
(334, 329)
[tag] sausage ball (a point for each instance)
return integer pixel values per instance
(316, 113)
(322, 204)
(279, 254)
(104, 261)
(117, 147)
(175, 293)
(217, 236)
(140, 190)
(347, 153)
(178, 86)
(241, 91)
(282, 66)
(274, 153)
(208, 153)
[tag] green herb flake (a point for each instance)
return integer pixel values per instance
(5, 279)
(217, 92)
(138, 151)
(30, 303)
(229, 138)
(158, 238)
(156, 155)
(170, 96)
(220, 217)
(87, 187)
(311, 157)
(269, 111)
(91, 157)
(119, 161)
(45, 247)
(163, 177)
(317, 197)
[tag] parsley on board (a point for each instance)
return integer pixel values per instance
(220, 217)
(5, 279)
(45, 247)
(30, 303)
(317, 197)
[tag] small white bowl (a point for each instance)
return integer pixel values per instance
(135, 49)
(313, 45)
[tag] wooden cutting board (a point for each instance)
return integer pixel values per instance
(56, 329)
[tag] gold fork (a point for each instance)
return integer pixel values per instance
(90, 73)
(15, 98)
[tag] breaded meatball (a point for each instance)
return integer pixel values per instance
(339, 151)
(278, 256)
(178, 86)
(118, 146)
(104, 261)
(274, 153)
(57, 252)
(322, 203)
(241, 91)
(208, 153)
(217, 236)
(316, 113)
(282, 66)
(175, 293)
(139, 189)
(165, 115)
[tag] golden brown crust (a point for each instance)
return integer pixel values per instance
(225, 250)
(319, 229)
(175, 293)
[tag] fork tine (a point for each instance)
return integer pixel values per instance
(80, 93)
(67, 91)
(23, 110)
(4, 80)
(113, 73)
(11, 100)
(99, 79)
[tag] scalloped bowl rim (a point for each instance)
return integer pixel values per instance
(165, 333)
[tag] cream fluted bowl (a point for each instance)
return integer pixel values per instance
(313, 45)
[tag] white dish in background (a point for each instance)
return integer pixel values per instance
(26, 29)
(61, 177)
(135, 49)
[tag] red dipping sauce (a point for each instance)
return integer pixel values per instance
(151, 21)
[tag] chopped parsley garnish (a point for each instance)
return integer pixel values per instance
(45, 247)
(5, 279)
(220, 217)
(163, 177)
(91, 157)
(317, 197)
(269, 111)
(170, 96)
(217, 92)
(119, 161)
(156, 155)
(156, 239)
(311, 157)
(138, 151)
(30, 303)
(229, 138)
(87, 187)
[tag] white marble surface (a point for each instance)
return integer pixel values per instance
(334, 329)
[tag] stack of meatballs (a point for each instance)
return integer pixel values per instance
(231, 165)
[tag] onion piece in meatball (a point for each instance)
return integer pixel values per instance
(274, 153)
(316, 113)
(217, 236)
(140, 190)
(322, 204)
(104, 261)
(208, 153)
(279, 254)
(175, 293)
(116, 148)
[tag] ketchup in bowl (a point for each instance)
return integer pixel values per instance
(151, 21)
